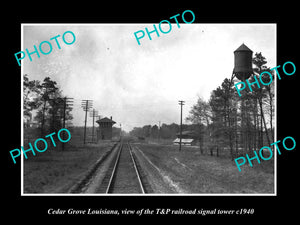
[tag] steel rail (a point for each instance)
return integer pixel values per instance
(136, 169)
(114, 170)
(109, 188)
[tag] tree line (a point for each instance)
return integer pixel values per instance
(49, 104)
(148, 131)
(165, 131)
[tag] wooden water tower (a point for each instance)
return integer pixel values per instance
(243, 62)
(243, 70)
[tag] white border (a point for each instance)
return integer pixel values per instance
(22, 119)
(138, 195)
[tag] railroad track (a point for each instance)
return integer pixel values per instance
(117, 172)
(124, 175)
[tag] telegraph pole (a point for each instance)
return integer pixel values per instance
(120, 131)
(93, 125)
(86, 105)
(59, 103)
(67, 103)
(93, 114)
(158, 131)
(181, 103)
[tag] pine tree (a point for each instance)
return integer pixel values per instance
(224, 115)
(261, 93)
(31, 94)
(200, 114)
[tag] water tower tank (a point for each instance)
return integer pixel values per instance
(243, 62)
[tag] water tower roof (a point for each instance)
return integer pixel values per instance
(243, 47)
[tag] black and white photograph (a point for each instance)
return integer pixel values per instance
(144, 111)
(155, 115)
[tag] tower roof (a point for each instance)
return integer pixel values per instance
(105, 120)
(243, 47)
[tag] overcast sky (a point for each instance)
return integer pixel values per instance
(141, 84)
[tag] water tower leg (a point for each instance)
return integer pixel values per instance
(243, 124)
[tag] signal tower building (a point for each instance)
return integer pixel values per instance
(105, 128)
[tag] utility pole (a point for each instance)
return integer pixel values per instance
(58, 104)
(93, 125)
(158, 131)
(93, 114)
(67, 103)
(181, 103)
(120, 131)
(86, 105)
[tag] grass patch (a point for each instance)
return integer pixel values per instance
(55, 171)
(199, 173)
